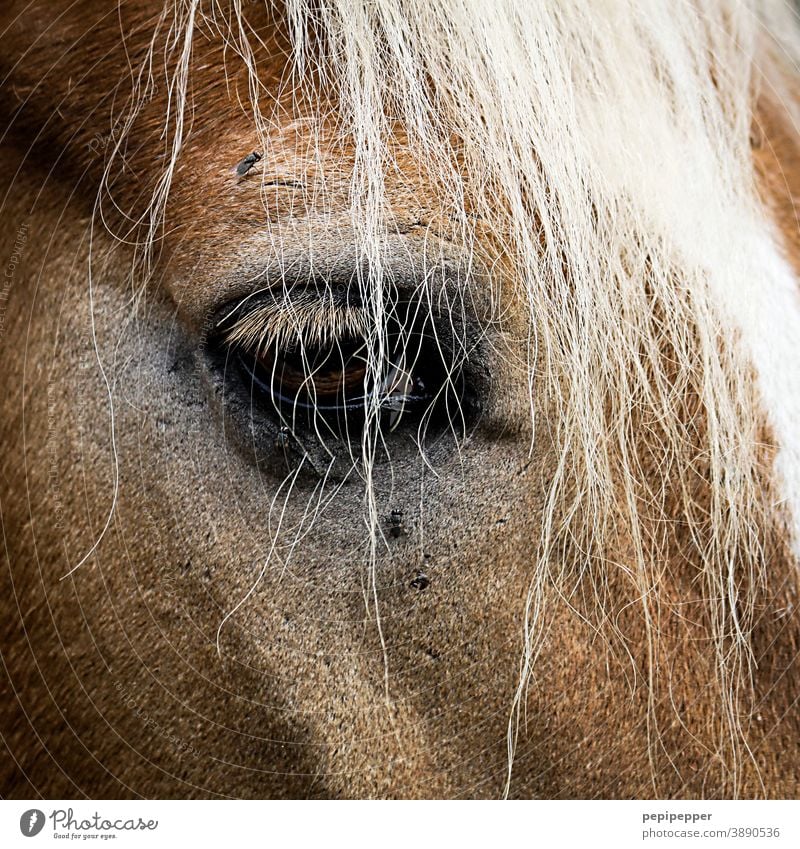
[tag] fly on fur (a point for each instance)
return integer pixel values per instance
(244, 165)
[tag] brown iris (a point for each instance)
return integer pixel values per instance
(304, 377)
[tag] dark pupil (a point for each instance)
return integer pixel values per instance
(311, 385)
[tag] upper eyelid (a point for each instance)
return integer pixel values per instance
(328, 288)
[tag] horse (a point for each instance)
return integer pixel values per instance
(400, 399)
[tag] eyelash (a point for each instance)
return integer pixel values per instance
(305, 317)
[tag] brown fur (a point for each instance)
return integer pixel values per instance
(112, 685)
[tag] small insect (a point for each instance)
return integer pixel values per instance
(421, 582)
(282, 439)
(247, 163)
(396, 526)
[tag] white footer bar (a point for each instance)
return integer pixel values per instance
(410, 825)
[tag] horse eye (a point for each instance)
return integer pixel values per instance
(330, 387)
